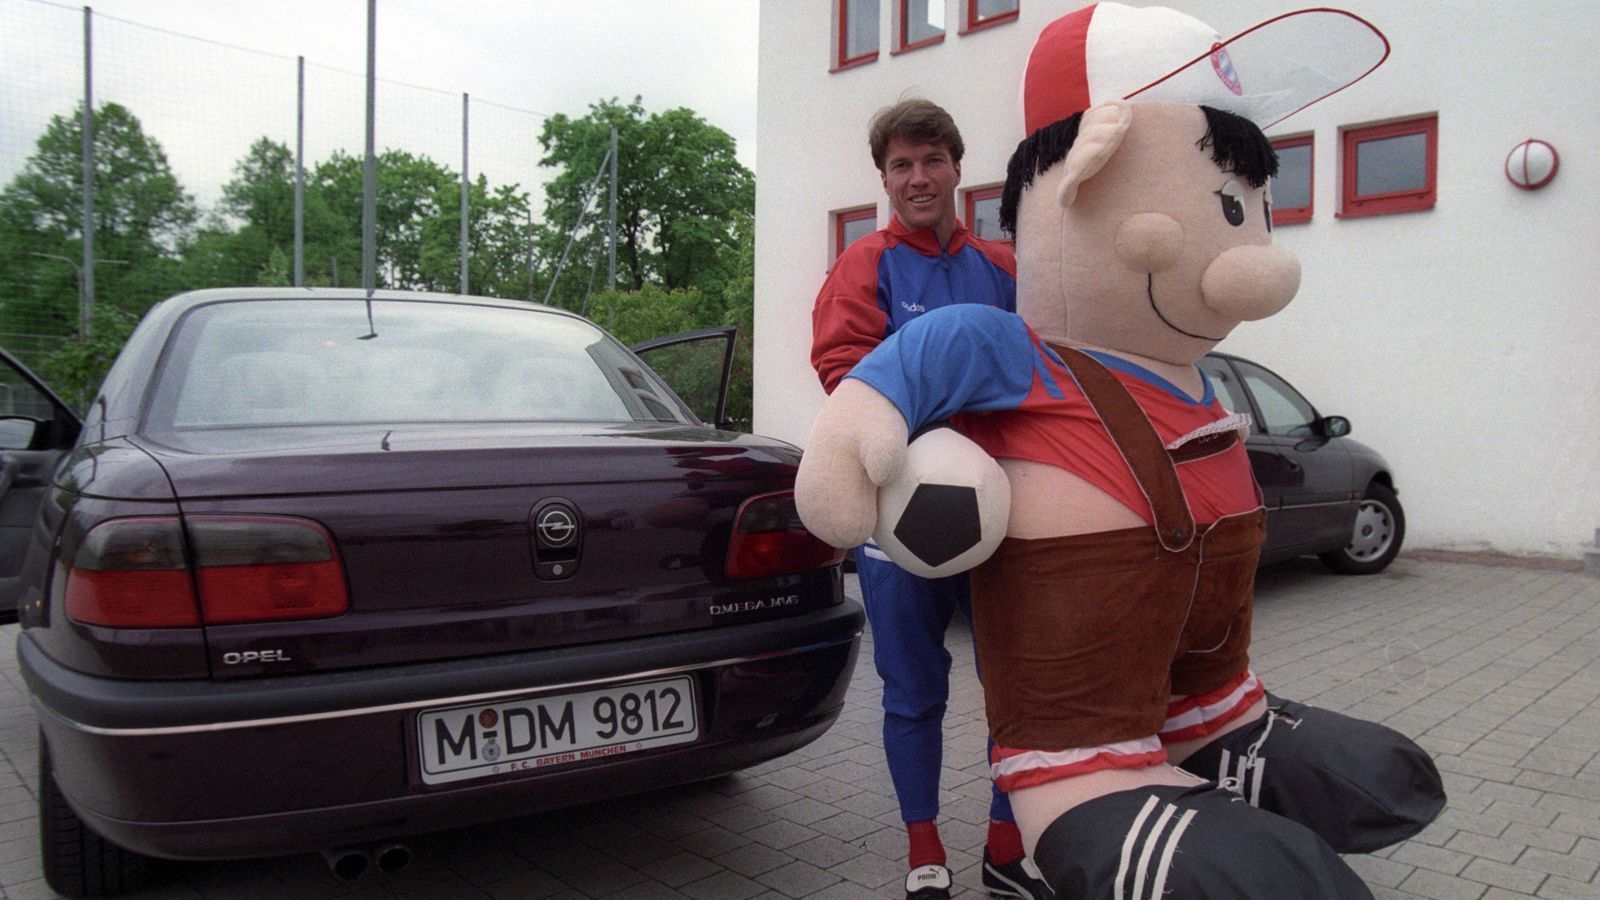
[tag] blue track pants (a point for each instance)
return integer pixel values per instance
(909, 616)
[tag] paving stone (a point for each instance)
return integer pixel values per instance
(1497, 893)
(1557, 888)
(1438, 886)
(723, 886)
(1497, 849)
(1543, 838)
(712, 841)
(1499, 874)
(1376, 871)
(1434, 859)
(847, 826)
(1587, 848)
(682, 869)
(753, 859)
(781, 835)
(799, 879)
(1584, 826)
(1575, 868)
(1527, 815)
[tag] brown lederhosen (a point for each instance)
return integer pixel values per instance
(1082, 639)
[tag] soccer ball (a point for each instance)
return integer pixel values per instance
(946, 511)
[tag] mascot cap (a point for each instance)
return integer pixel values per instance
(1267, 73)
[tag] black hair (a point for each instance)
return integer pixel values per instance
(1037, 152)
(1237, 145)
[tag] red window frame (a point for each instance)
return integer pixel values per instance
(971, 21)
(901, 27)
(841, 61)
(971, 196)
(1290, 215)
(845, 216)
(1351, 139)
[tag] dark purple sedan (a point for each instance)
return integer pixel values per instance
(322, 571)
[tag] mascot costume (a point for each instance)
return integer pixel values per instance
(1142, 755)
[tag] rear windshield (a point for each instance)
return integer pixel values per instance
(308, 362)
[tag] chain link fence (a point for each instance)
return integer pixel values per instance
(208, 105)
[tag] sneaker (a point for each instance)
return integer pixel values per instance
(1020, 878)
(928, 883)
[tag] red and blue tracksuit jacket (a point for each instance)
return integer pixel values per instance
(892, 276)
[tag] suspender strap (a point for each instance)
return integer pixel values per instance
(1139, 444)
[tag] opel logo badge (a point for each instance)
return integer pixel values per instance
(557, 526)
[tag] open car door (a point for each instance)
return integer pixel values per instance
(697, 365)
(36, 428)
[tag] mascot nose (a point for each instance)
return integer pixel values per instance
(1149, 242)
(1251, 281)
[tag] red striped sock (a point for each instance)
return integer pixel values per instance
(926, 848)
(1005, 842)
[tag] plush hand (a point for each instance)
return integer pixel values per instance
(857, 443)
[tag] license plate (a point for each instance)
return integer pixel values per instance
(531, 733)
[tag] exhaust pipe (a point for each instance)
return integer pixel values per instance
(346, 863)
(391, 858)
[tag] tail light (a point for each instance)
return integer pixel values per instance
(135, 573)
(768, 539)
(132, 573)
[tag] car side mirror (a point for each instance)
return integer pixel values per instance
(1334, 426)
(17, 432)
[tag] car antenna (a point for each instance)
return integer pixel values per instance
(372, 330)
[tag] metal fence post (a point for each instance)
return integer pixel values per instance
(369, 169)
(86, 272)
(611, 274)
(300, 175)
(464, 191)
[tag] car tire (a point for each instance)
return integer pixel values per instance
(1375, 540)
(77, 862)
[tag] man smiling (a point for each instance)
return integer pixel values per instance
(924, 260)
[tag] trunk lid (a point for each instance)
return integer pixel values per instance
(435, 528)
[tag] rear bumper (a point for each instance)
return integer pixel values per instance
(208, 770)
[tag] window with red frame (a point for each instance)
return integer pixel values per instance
(983, 213)
(857, 22)
(1291, 187)
(918, 23)
(851, 224)
(976, 14)
(1390, 168)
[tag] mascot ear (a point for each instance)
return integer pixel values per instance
(1099, 134)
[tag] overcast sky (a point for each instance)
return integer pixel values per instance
(538, 56)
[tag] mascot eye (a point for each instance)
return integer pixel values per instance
(1232, 196)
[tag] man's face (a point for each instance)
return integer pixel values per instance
(921, 180)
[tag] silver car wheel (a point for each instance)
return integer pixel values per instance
(1374, 531)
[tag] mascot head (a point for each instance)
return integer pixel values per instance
(1139, 198)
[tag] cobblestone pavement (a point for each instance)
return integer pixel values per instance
(1496, 671)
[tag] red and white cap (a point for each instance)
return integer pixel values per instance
(1267, 73)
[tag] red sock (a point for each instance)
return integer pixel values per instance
(926, 848)
(1005, 842)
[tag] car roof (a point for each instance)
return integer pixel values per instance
(190, 299)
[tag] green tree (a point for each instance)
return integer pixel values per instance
(680, 187)
(143, 219)
(76, 368)
(685, 227)
(249, 238)
(419, 225)
(635, 316)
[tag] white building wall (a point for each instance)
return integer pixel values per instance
(1463, 342)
